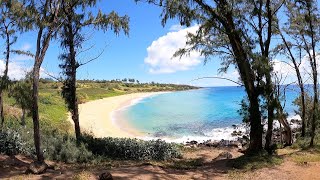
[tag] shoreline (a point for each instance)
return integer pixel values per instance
(102, 118)
(98, 117)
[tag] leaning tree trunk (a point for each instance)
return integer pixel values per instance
(287, 129)
(301, 86)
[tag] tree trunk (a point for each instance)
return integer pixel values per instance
(301, 86)
(1, 110)
(287, 129)
(248, 77)
(256, 129)
(303, 110)
(270, 104)
(73, 76)
(246, 72)
(4, 79)
(35, 111)
(315, 113)
(313, 63)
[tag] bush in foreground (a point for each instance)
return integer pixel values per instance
(132, 149)
(11, 142)
(64, 148)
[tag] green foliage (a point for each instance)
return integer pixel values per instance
(11, 142)
(244, 110)
(308, 105)
(304, 142)
(64, 148)
(22, 93)
(134, 149)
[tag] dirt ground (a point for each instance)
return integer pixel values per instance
(211, 168)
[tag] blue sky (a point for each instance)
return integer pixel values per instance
(144, 55)
(125, 57)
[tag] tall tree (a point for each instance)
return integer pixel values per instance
(10, 23)
(77, 16)
(288, 47)
(44, 17)
(304, 25)
(241, 32)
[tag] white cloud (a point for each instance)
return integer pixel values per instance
(18, 66)
(176, 27)
(286, 69)
(160, 53)
(16, 70)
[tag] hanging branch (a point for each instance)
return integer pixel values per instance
(217, 77)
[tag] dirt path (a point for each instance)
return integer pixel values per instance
(14, 167)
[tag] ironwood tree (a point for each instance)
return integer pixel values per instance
(44, 16)
(303, 24)
(77, 16)
(11, 21)
(240, 32)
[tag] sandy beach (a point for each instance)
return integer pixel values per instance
(97, 117)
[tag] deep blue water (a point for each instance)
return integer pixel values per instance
(192, 113)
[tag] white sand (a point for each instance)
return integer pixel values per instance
(96, 117)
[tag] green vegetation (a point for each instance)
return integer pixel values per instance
(58, 141)
(64, 147)
(134, 149)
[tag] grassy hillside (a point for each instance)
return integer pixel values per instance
(53, 112)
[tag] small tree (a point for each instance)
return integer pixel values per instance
(21, 91)
(11, 21)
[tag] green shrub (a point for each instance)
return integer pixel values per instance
(64, 148)
(45, 100)
(132, 149)
(11, 142)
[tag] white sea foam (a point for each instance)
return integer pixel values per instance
(216, 134)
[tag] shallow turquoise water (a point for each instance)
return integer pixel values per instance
(190, 113)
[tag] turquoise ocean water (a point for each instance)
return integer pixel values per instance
(206, 112)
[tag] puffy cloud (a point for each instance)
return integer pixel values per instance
(160, 52)
(18, 67)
